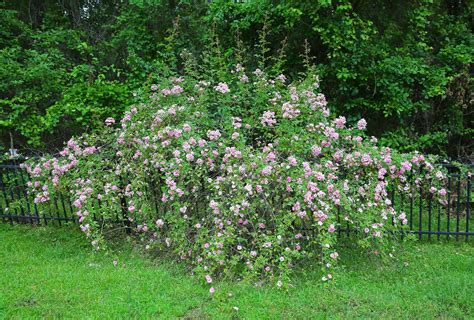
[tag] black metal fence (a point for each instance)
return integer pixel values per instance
(427, 218)
(16, 205)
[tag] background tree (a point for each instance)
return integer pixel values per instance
(66, 65)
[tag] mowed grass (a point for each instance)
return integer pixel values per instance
(48, 272)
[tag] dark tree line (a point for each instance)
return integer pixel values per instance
(406, 66)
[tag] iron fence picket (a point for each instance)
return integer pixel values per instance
(448, 209)
(63, 205)
(458, 199)
(411, 211)
(5, 198)
(439, 222)
(468, 204)
(430, 204)
(420, 222)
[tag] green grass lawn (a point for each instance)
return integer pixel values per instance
(48, 272)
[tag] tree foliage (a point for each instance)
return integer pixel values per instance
(405, 66)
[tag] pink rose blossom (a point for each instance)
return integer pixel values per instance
(361, 124)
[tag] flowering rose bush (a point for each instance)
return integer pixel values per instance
(247, 175)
